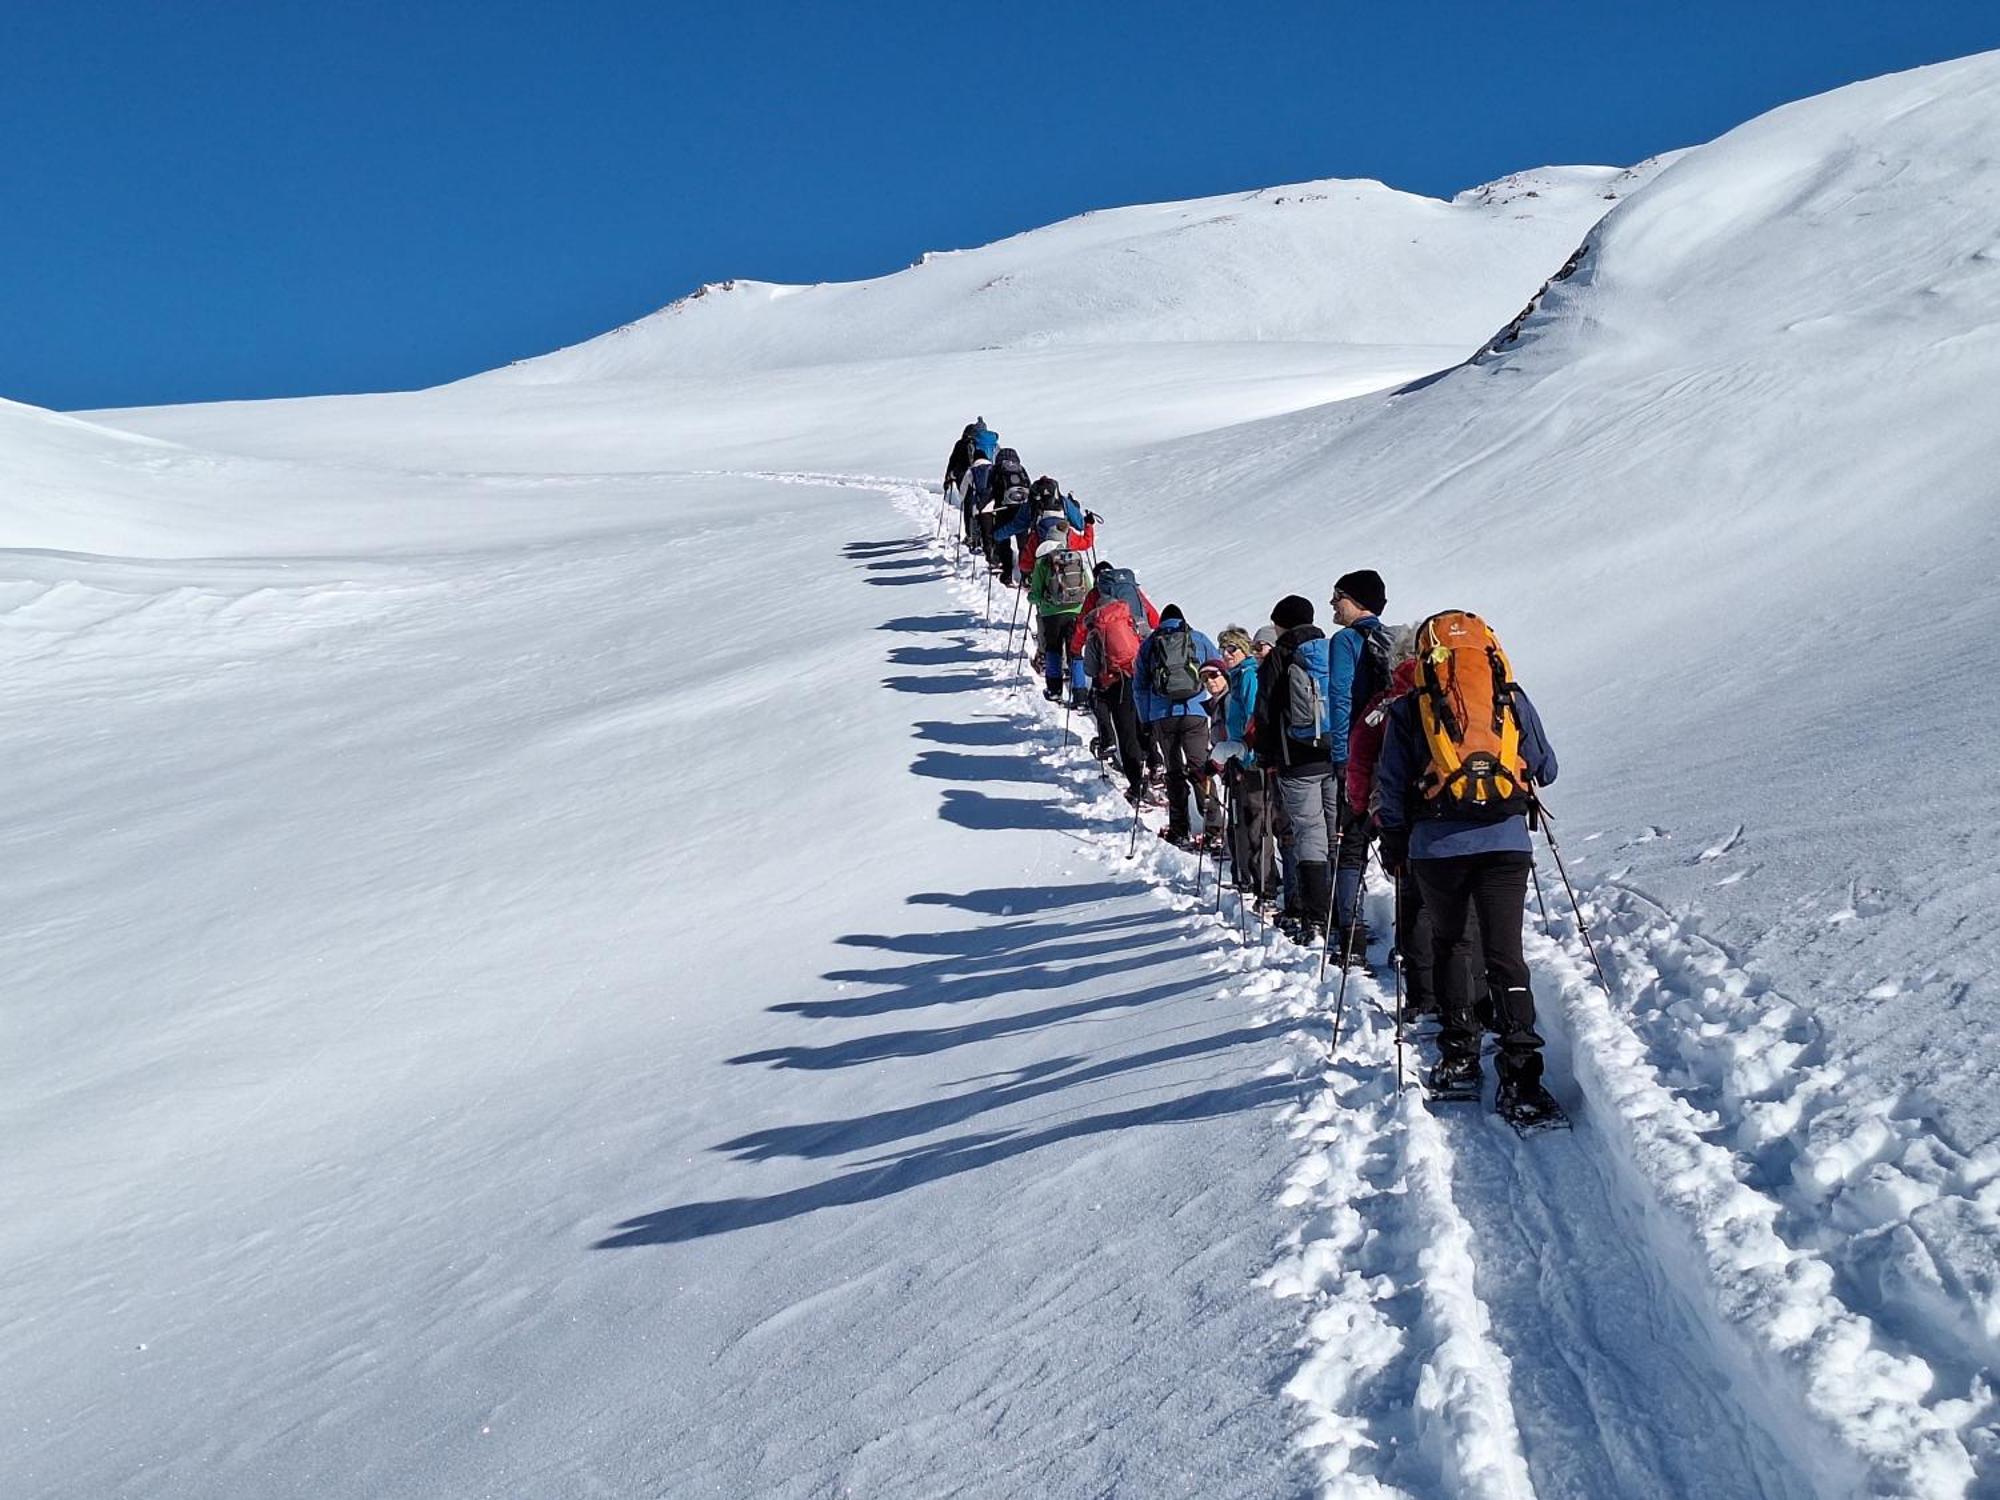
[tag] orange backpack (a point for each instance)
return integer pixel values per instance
(1465, 713)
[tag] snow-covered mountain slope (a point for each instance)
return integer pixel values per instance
(1118, 329)
(536, 971)
(1332, 262)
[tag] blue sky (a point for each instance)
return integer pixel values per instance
(232, 198)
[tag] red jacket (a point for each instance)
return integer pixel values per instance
(1364, 740)
(1090, 602)
(1031, 542)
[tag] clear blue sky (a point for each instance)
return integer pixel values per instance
(253, 198)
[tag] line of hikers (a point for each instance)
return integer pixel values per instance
(1300, 751)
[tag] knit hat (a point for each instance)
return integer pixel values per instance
(1103, 566)
(1234, 638)
(1292, 611)
(1172, 612)
(1364, 586)
(1216, 664)
(1267, 635)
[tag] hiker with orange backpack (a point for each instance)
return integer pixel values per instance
(1462, 753)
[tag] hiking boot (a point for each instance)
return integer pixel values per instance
(1525, 1103)
(1455, 1077)
(1098, 749)
(1053, 694)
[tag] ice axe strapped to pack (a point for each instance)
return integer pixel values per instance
(1466, 716)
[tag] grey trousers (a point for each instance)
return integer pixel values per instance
(1312, 809)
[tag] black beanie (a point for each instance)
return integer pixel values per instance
(1364, 586)
(1173, 612)
(1103, 565)
(1292, 611)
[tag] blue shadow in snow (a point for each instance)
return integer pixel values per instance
(838, 1137)
(970, 809)
(951, 765)
(882, 548)
(926, 1164)
(943, 682)
(981, 732)
(1010, 900)
(957, 619)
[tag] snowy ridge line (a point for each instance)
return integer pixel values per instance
(1401, 1386)
(1855, 1252)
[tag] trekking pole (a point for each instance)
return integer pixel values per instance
(1228, 843)
(1340, 1000)
(1396, 957)
(944, 504)
(1011, 622)
(1540, 899)
(989, 599)
(1540, 817)
(1326, 937)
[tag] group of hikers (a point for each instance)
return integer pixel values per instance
(1301, 751)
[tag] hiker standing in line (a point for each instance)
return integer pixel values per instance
(1357, 669)
(963, 452)
(1057, 588)
(1292, 728)
(1242, 777)
(1115, 618)
(974, 494)
(1461, 756)
(1168, 684)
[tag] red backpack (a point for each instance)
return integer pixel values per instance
(1117, 636)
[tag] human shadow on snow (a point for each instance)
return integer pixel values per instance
(825, 1138)
(941, 656)
(967, 1153)
(882, 548)
(971, 809)
(957, 619)
(924, 1042)
(953, 765)
(942, 682)
(902, 580)
(981, 732)
(960, 980)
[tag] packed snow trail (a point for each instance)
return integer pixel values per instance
(1491, 1317)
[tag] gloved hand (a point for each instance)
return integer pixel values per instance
(1395, 850)
(1091, 518)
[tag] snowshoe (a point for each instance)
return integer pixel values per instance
(1053, 694)
(1529, 1107)
(1455, 1080)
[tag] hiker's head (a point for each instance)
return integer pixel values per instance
(1264, 642)
(1358, 595)
(1103, 567)
(1215, 676)
(1235, 643)
(1172, 612)
(1292, 611)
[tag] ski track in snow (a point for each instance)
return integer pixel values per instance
(1639, 1307)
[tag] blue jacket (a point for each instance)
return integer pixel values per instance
(1404, 755)
(1242, 703)
(1343, 665)
(1151, 707)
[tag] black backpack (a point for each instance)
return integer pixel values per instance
(1175, 674)
(1373, 671)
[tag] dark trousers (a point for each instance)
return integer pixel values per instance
(1117, 699)
(1183, 742)
(1415, 935)
(1250, 854)
(1493, 888)
(1055, 648)
(1356, 832)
